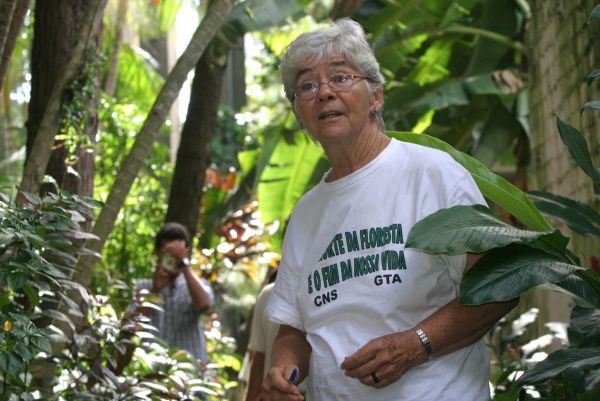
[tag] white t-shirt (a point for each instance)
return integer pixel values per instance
(345, 277)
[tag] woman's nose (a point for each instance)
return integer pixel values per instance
(324, 91)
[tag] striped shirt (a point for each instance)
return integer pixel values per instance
(179, 324)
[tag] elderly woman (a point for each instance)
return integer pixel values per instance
(368, 319)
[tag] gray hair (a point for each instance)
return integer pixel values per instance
(344, 36)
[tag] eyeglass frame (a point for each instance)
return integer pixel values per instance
(317, 88)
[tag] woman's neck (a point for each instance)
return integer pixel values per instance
(348, 158)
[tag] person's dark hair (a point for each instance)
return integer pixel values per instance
(172, 231)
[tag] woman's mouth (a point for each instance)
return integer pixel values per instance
(329, 114)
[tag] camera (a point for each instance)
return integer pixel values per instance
(168, 262)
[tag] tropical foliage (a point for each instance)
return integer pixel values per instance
(518, 259)
(453, 71)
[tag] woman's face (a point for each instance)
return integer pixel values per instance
(331, 117)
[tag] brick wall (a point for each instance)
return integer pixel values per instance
(564, 49)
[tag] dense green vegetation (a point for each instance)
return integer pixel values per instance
(454, 71)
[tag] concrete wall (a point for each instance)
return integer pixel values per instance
(564, 49)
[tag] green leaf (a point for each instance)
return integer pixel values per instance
(559, 361)
(584, 325)
(42, 343)
(501, 18)
(32, 294)
(24, 352)
(293, 168)
(11, 363)
(579, 286)
(505, 273)
(497, 136)
(594, 104)
(594, 75)
(462, 229)
(579, 216)
(594, 15)
(493, 187)
(577, 146)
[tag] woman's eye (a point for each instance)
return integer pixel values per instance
(307, 86)
(339, 78)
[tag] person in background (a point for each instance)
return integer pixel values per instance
(365, 317)
(185, 296)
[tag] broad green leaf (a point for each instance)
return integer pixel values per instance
(462, 229)
(594, 75)
(505, 273)
(293, 168)
(32, 295)
(579, 286)
(432, 64)
(579, 216)
(24, 352)
(594, 104)
(497, 136)
(577, 146)
(493, 187)
(584, 325)
(501, 18)
(11, 363)
(594, 15)
(42, 343)
(559, 361)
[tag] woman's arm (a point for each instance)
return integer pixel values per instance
(451, 328)
(290, 350)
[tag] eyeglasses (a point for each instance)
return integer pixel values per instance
(338, 83)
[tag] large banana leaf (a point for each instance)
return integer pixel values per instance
(294, 166)
(493, 187)
(505, 273)
(474, 229)
(580, 217)
(559, 361)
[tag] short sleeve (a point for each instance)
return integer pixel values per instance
(282, 307)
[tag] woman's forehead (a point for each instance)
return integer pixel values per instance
(316, 62)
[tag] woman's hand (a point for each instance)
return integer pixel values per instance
(277, 386)
(384, 360)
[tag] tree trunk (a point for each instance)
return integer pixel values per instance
(56, 30)
(44, 118)
(113, 66)
(7, 9)
(10, 26)
(196, 136)
(147, 135)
